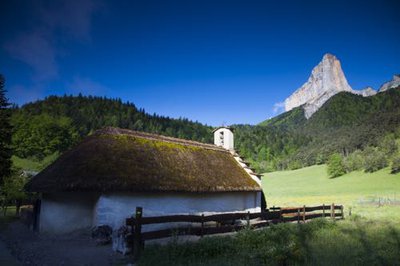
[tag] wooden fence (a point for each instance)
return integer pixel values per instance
(201, 225)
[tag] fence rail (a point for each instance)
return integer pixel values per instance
(223, 223)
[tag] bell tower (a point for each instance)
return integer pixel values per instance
(223, 137)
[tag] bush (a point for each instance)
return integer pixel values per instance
(320, 159)
(388, 145)
(12, 190)
(396, 164)
(335, 165)
(293, 165)
(374, 160)
(354, 161)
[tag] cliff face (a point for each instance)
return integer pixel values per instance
(326, 80)
(395, 82)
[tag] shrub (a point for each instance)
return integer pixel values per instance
(293, 165)
(12, 190)
(354, 161)
(388, 145)
(374, 160)
(320, 159)
(335, 165)
(396, 164)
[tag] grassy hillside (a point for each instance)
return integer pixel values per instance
(373, 195)
(32, 164)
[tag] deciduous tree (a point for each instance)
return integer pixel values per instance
(335, 165)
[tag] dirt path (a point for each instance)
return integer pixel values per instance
(73, 249)
(5, 256)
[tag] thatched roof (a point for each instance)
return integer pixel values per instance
(114, 159)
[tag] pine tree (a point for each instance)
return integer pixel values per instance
(5, 133)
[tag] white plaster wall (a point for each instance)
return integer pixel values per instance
(228, 138)
(66, 212)
(112, 209)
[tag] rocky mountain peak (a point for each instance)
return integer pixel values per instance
(395, 82)
(329, 56)
(326, 80)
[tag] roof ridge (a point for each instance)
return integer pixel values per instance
(153, 136)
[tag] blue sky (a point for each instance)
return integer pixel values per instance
(211, 61)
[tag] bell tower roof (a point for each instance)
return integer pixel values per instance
(230, 128)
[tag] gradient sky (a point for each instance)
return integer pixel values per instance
(211, 61)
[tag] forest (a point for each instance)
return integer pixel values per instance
(345, 124)
(57, 123)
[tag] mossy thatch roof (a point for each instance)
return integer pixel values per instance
(114, 159)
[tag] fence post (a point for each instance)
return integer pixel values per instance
(202, 225)
(304, 213)
(323, 210)
(266, 214)
(298, 215)
(137, 241)
(248, 219)
(36, 215)
(333, 211)
(342, 211)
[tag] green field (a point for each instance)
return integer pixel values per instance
(372, 195)
(26, 164)
(353, 241)
(32, 164)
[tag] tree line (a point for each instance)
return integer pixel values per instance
(57, 123)
(370, 159)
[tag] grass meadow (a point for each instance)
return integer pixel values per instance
(371, 195)
(370, 236)
(320, 242)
